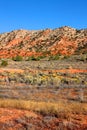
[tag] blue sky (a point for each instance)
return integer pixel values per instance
(41, 14)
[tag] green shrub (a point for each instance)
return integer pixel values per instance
(34, 58)
(66, 57)
(54, 57)
(17, 58)
(31, 58)
(4, 63)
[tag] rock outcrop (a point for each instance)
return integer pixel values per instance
(64, 40)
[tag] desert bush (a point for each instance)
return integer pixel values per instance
(4, 63)
(17, 58)
(66, 57)
(54, 57)
(35, 58)
(31, 58)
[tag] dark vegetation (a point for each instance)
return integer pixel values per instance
(4, 63)
(17, 58)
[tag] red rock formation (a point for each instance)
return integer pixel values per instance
(64, 40)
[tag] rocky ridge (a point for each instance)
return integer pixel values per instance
(64, 40)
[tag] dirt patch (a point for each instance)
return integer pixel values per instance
(13, 119)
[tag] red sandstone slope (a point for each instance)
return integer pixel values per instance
(64, 40)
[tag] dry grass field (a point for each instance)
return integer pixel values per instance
(45, 94)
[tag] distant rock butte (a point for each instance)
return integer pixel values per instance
(64, 40)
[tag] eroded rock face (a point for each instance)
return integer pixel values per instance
(64, 40)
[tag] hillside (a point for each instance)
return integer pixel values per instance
(64, 40)
(43, 79)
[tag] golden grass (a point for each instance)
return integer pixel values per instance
(57, 109)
